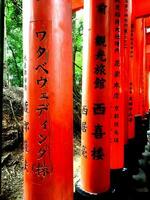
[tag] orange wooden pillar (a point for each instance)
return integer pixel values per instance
(117, 85)
(147, 22)
(132, 85)
(48, 110)
(131, 74)
(149, 89)
(95, 151)
(143, 69)
(139, 54)
(77, 5)
(127, 12)
(141, 8)
(135, 82)
(145, 72)
(148, 83)
(147, 51)
(148, 65)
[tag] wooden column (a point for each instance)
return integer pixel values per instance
(117, 87)
(95, 145)
(48, 110)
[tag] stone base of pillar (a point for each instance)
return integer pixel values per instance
(120, 179)
(136, 146)
(82, 195)
(147, 118)
(131, 156)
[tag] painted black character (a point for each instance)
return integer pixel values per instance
(97, 153)
(98, 132)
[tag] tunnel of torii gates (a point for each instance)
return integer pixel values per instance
(116, 71)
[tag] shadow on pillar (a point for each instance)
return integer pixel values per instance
(135, 147)
(120, 179)
(82, 195)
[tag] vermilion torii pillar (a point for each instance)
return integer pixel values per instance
(139, 56)
(95, 143)
(48, 110)
(147, 53)
(145, 73)
(127, 10)
(148, 63)
(117, 85)
(132, 85)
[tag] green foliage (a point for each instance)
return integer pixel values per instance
(77, 69)
(77, 35)
(13, 41)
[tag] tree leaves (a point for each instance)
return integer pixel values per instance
(14, 52)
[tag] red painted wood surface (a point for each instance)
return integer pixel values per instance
(148, 49)
(116, 53)
(95, 144)
(148, 68)
(48, 116)
(141, 8)
(148, 39)
(128, 84)
(132, 86)
(149, 90)
(145, 72)
(77, 5)
(147, 21)
(140, 62)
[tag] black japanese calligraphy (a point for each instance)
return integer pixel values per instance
(41, 108)
(102, 8)
(42, 151)
(84, 151)
(42, 138)
(26, 107)
(100, 69)
(40, 51)
(101, 55)
(100, 40)
(100, 83)
(40, 169)
(42, 68)
(41, 35)
(83, 127)
(99, 109)
(84, 110)
(26, 126)
(98, 132)
(42, 82)
(44, 124)
(26, 146)
(44, 96)
(26, 166)
(97, 153)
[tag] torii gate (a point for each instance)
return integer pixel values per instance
(140, 8)
(48, 101)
